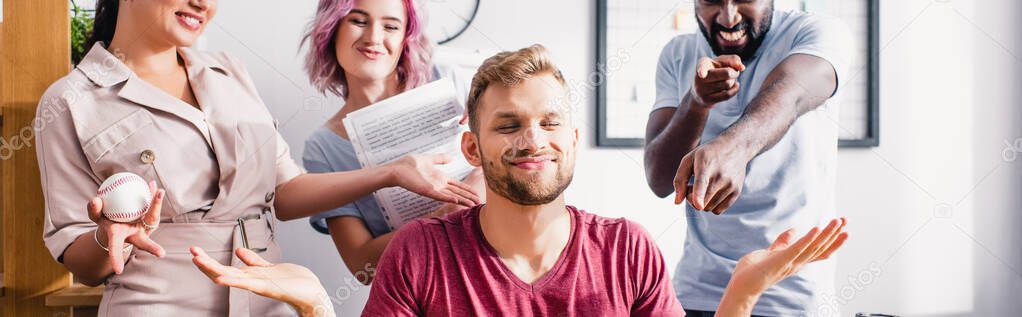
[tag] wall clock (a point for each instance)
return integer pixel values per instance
(447, 19)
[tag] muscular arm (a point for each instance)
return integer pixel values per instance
(797, 85)
(670, 134)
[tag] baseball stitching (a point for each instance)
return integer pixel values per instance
(118, 183)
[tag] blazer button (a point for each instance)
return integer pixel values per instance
(147, 156)
(269, 197)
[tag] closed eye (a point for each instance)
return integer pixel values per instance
(507, 128)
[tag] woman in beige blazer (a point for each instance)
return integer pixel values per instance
(192, 123)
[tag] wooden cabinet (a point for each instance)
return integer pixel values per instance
(34, 52)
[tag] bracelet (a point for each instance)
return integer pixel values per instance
(95, 236)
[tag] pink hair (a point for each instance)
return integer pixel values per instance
(325, 72)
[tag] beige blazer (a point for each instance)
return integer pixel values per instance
(217, 165)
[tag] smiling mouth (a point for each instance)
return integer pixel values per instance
(534, 163)
(190, 21)
(371, 54)
(731, 39)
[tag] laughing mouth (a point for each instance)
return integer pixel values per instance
(731, 38)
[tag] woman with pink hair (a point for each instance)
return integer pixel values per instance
(366, 51)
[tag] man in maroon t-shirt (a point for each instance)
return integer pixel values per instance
(525, 252)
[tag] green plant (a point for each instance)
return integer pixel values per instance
(81, 28)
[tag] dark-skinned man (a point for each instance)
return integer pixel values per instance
(744, 129)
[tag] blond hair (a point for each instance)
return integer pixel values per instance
(509, 68)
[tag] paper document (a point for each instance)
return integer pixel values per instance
(421, 120)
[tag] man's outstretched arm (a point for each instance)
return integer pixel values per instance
(672, 132)
(798, 84)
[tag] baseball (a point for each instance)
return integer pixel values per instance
(125, 197)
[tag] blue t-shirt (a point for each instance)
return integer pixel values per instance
(327, 152)
(788, 186)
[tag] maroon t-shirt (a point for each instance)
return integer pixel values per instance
(445, 267)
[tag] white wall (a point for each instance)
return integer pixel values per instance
(947, 106)
(949, 101)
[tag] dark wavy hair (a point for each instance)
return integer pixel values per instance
(104, 24)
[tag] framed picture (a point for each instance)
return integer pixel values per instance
(631, 34)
